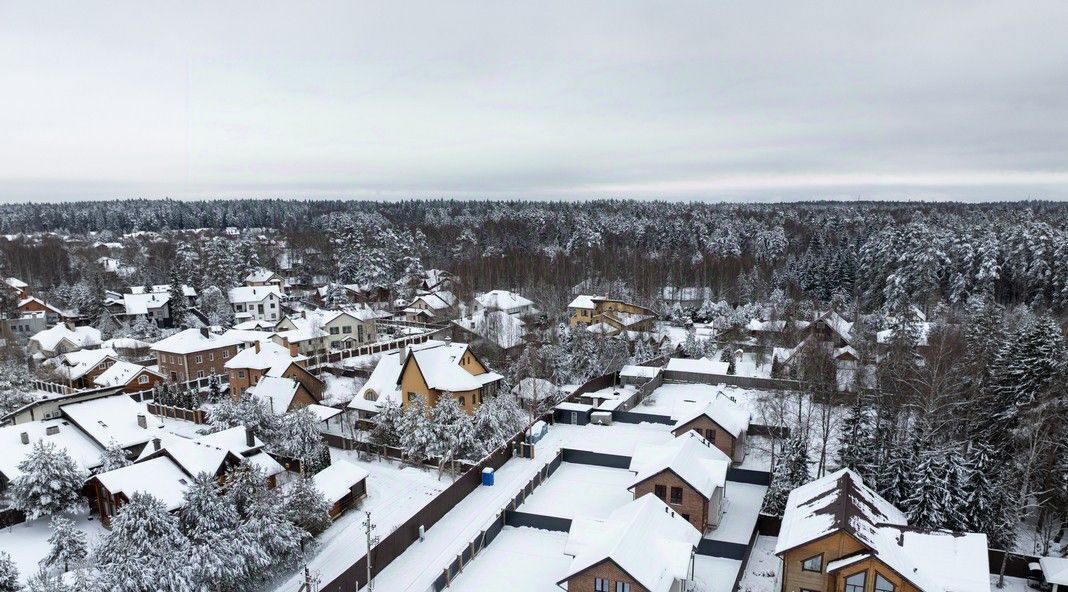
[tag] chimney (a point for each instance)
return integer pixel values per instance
(257, 344)
(142, 421)
(25, 437)
(204, 332)
(69, 325)
(448, 339)
(250, 437)
(156, 444)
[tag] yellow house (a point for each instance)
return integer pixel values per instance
(436, 368)
(838, 535)
(609, 316)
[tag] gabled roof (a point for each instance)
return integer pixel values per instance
(439, 363)
(261, 275)
(382, 385)
(697, 366)
(113, 418)
(932, 560)
(583, 301)
(496, 326)
(275, 392)
(692, 458)
(76, 364)
(194, 456)
(727, 414)
(336, 480)
(78, 337)
(160, 477)
(187, 291)
(193, 340)
(435, 300)
(122, 373)
(234, 439)
(645, 539)
(80, 447)
(634, 371)
(16, 283)
(502, 300)
(246, 294)
(265, 355)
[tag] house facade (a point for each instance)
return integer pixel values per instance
(434, 368)
(260, 303)
(722, 422)
(195, 353)
(609, 316)
(688, 474)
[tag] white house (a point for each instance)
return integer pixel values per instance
(504, 301)
(256, 303)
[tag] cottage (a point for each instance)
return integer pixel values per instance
(195, 353)
(689, 474)
(609, 316)
(436, 368)
(79, 369)
(19, 328)
(256, 302)
(837, 534)
(62, 338)
(496, 333)
(32, 304)
(343, 484)
(18, 287)
(131, 377)
(431, 306)
(722, 422)
(504, 301)
(114, 421)
(644, 546)
(270, 360)
(18, 440)
(262, 277)
(318, 332)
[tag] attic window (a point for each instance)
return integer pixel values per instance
(813, 563)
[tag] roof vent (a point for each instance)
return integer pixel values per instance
(142, 421)
(52, 430)
(25, 437)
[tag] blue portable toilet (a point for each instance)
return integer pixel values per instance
(487, 476)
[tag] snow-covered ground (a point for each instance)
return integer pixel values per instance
(714, 574)
(27, 543)
(677, 335)
(340, 389)
(620, 438)
(1011, 584)
(742, 507)
(762, 571)
(580, 491)
(518, 560)
(394, 493)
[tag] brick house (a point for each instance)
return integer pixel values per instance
(195, 353)
(689, 474)
(838, 535)
(722, 422)
(131, 377)
(269, 359)
(432, 369)
(641, 547)
(79, 369)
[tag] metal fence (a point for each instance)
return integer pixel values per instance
(53, 387)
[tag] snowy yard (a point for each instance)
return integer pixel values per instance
(576, 491)
(27, 543)
(678, 399)
(518, 560)
(340, 389)
(742, 508)
(395, 492)
(762, 571)
(620, 438)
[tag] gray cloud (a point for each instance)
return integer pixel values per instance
(683, 100)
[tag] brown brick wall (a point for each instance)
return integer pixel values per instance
(583, 581)
(723, 440)
(211, 363)
(136, 386)
(694, 507)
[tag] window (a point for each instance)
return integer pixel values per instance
(199, 359)
(710, 435)
(622, 587)
(463, 401)
(600, 585)
(334, 331)
(274, 305)
(676, 495)
(211, 356)
(346, 329)
(143, 379)
(882, 584)
(240, 373)
(660, 491)
(813, 564)
(226, 353)
(855, 582)
(200, 374)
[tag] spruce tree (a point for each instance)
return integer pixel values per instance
(9, 574)
(856, 439)
(416, 434)
(218, 548)
(386, 431)
(277, 537)
(145, 549)
(50, 482)
(114, 457)
(1029, 366)
(67, 544)
(790, 472)
(306, 508)
(299, 437)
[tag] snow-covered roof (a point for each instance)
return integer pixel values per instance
(570, 406)
(922, 329)
(82, 449)
(931, 560)
(140, 304)
(1054, 570)
(336, 480)
(691, 457)
(536, 389)
(259, 275)
(125, 343)
(502, 300)
(275, 392)
(496, 326)
(121, 373)
(76, 364)
(16, 283)
(265, 355)
(234, 439)
(254, 325)
(113, 418)
(645, 538)
(187, 291)
(439, 363)
(627, 319)
(247, 294)
(435, 300)
(727, 414)
(381, 385)
(632, 371)
(842, 327)
(159, 477)
(697, 366)
(583, 301)
(602, 329)
(266, 463)
(322, 412)
(194, 456)
(48, 306)
(194, 340)
(78, 337)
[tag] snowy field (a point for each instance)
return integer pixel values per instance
(340, 389)
(27, 543)
(580, 491)
(742, 509)
(762, 571)
(395, 492)
(714, 574)
(518, 560)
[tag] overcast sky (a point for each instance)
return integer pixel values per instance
(710, 100)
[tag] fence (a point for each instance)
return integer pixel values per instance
(486, 535)
(751, 382)
(197, 416)
(395, 543)
(371, 348)
(196, 383)
(52, 387)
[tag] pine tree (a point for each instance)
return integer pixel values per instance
(114, 457)
(453, 431)
(387, 424)
(927, 504)
(145, 549)
(67, 544)
(299, 438)
(9, 574)
(42, 581)
(245, 487)
(416, 434)
(50, 482)
(219, 549)
(267, 525)
(306, 508)
(894, 478)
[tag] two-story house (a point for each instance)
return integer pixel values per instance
(610, 316)
(689, 474)
(195, 353)
(256, 303)
(321, 331)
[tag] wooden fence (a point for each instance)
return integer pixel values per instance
(197, 416)
(372, 348)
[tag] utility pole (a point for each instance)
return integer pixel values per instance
(372, 540)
